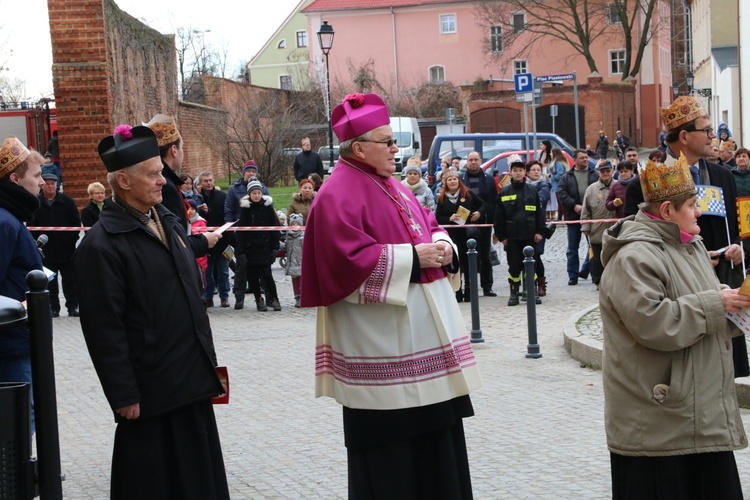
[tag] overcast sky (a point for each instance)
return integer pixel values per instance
(244, 27)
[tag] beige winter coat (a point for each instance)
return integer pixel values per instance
(665, 332)
(594, 207)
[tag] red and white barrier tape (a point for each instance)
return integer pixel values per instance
(45, 229)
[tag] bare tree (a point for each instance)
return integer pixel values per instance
(196, 59)
(12, 90)
(579, 24)
(260, 123)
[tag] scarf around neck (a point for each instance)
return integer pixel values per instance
(19, 202)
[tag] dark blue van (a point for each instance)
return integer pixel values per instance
(488, 145)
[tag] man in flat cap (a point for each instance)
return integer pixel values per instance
(57, 209)
(20, 182)
(392, 346)
(148, 333)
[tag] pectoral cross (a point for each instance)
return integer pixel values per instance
(415, 226)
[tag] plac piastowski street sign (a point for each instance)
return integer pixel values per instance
(552, 78)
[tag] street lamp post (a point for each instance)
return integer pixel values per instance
(675, 90)
(689, 79)
(325, 38)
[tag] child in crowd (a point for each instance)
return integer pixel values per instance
(294, 238)
(258, 248)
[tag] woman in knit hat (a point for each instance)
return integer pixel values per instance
(412, 174)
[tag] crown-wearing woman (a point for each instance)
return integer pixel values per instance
(671, 412)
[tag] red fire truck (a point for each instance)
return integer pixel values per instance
(33, 123)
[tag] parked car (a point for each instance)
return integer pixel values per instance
(488, 145)
(498, 165)
(324, 153)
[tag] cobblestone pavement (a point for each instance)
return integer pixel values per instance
(538, 430)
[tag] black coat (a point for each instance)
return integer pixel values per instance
(260, 247)
(459, 234)
(486, 190)
(518, 214)
(142, 316)
(306, 163)
(90, 214)
(567, 192)
(214, 200)
(62, 212)
(173, 201)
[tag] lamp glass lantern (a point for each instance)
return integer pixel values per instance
(325, 38)
(689, 78)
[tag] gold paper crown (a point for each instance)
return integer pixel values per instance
(684, 109)
(661, 181)
(12, 153)
(165, 129)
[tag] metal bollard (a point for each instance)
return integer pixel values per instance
(532, 350)
(476, 332)
(43, 378)
(17, 468)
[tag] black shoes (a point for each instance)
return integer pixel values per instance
(260, 304)
(583, 274)
(55, 314)
(489, 292)
(73, 312)
(239, 302)
(573, 281)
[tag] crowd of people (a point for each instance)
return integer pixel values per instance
(668, 276)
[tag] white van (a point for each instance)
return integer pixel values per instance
(408, 138)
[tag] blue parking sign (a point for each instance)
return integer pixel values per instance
(523, 83)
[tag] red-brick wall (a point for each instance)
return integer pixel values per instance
(107, 68)
(198, 125)
(609, 106)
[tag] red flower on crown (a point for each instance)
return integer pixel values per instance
(355, 100)
(124, 131)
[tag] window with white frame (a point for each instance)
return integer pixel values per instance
(496, 39)
(612, 15)
(616, 62)
(437, 74)
(519, 22)
(519, 66)
(285, 82)
(302, 39)
(281, 44)
(447, 23)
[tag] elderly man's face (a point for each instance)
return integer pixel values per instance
(473, 162)
(49, 189)
(378, 154)
(605, 175)
(143, 184)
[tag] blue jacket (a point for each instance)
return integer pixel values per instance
(18, 256)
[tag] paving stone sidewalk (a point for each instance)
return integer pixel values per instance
(538, 430)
